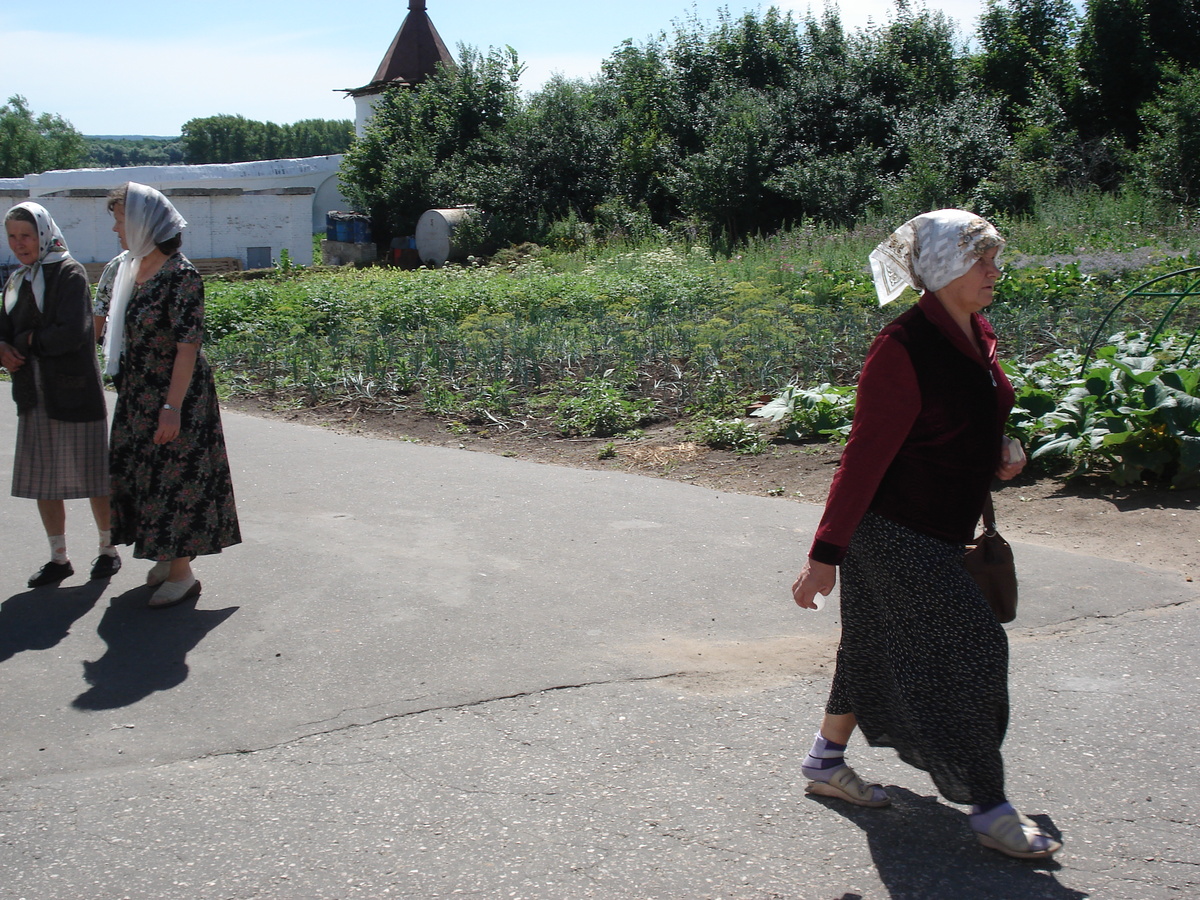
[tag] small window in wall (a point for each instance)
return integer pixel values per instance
(258, 257)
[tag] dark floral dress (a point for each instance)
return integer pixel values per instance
(175, 499)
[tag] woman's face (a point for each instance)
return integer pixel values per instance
(974, 290)
(22, 240)
(119, 224)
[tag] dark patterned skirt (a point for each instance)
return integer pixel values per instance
(58, 460)
(923, 663)
(175, 499)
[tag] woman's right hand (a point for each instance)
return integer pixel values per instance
(815, 578)
(10, 358)
(168, 426)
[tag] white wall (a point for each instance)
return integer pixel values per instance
(220, 223)
(276, 203)
(317, 174)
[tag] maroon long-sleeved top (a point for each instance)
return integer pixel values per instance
(927, 431)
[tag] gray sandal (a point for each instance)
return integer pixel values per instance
(846, 785)
(1018, 836)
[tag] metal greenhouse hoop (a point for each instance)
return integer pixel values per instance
(1152, 288)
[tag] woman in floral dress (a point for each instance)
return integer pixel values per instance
(172, 494)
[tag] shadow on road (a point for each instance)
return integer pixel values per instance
(147, 649)
(38, 619)
(924, 850)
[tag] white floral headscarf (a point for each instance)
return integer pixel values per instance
(149, 219)
(52, 248)
(930, 251)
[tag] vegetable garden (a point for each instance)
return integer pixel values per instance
(606, 338)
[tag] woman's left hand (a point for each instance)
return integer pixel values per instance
(10, 358)
(168, 426)
(1012, 459)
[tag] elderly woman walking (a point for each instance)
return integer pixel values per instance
(923, 664)
(172, 494)
(48, 345)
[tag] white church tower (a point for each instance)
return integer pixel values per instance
(413, 56)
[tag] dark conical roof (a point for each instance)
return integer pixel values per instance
(414, 54)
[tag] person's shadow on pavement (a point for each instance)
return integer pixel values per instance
(39, 618)
(924, 850)
(147, 649)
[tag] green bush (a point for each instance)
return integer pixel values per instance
(737, 435)
(824, 412)
(597, 407)
(1132, 416)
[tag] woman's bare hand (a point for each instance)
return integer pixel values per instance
(815, 578)
(168, 426)
(10, 358)
(1012, 459)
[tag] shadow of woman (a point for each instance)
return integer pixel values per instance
(924, 850)
(40, 618)
(147, 649)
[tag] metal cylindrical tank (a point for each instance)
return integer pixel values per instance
(435, 237)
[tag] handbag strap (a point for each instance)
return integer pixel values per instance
(989, 515)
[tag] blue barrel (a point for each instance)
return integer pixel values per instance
(343, 231)
(361, 230)
(331, 226)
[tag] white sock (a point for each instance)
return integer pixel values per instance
(106, 544)
(58, 548)
(982, 821)
(823, 759)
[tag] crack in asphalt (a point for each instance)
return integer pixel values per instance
(518, 695)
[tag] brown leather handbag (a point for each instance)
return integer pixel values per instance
(989, 560)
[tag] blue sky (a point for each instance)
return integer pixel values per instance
(136, 67)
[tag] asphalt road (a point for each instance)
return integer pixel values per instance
(431, 673)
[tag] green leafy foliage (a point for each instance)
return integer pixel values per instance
(604, 339)
(821, 413)
(230, 139)
(763, 121)
(598, 407)
(116, 152)
(31, 144)
(1133, 415)
(1169, 158)
(737, 435)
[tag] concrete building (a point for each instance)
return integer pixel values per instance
(247, 211)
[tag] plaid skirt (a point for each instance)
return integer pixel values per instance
(58, 460)
(923, 663)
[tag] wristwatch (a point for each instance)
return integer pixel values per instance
(170, 407)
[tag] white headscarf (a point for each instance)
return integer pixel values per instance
(930, 251)
(149, 219)
(52, 248)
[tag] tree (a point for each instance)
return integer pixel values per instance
(1124, 48)
(1169, 158)
(30, 145)
(912, 63)
(1028, 46)
(230, 139)
(107, 153)
(431, 145)
(640, 95)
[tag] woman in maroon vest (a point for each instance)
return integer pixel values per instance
(923, 664)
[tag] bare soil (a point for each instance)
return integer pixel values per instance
(1152, 527)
